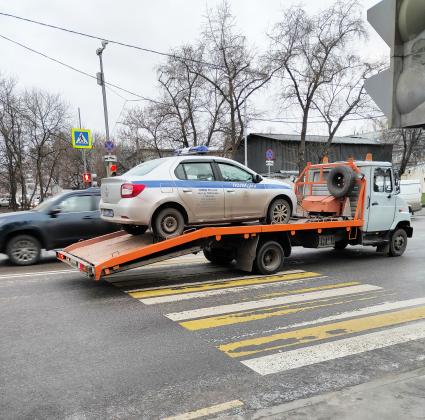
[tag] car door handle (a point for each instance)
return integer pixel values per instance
(87, 217)
(230, 191)
(187, 190)
(375, 203)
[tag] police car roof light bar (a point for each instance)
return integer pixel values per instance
(194, 150)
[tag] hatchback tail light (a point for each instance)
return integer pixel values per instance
(131, 190)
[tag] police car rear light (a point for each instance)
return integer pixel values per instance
(131, 190)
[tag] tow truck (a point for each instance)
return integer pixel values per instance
(339, 204)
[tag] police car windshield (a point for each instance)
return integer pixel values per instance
(145, 167)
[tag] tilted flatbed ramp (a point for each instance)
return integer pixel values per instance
(119, 251)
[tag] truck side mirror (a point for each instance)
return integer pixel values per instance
(397, 182)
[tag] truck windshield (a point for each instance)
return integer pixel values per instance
(145, 167)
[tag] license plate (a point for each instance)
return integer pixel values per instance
(107, 213)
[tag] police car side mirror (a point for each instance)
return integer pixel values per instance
(257, 178)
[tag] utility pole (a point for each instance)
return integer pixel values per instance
(101, 82)
(245, 135)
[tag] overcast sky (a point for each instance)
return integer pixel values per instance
(159, 24)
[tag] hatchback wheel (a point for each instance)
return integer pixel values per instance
(169, 222)
(279, 212)
(23, 250)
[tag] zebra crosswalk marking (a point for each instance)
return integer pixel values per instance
(308, 335)
(255, 315)
(218, 285)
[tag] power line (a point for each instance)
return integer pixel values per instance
(97, 37)
(74, 68)
(142, 98)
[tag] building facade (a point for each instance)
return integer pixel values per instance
(285, 149)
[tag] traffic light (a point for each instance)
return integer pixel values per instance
(112, 169)
(400, 91)
(87, 178)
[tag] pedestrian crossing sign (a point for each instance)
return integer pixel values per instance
(81, 138)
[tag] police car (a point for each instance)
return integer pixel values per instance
(190, 189)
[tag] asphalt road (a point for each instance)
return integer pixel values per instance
(175, 338)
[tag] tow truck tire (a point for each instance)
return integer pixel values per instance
(168, 223)
(219, 257)
(269, 259)
(135, 229)
(341, 245)
(279, 212)
(398, 243)
(341, 181)
(23, 250)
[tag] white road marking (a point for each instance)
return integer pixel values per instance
(263, 303)
(200, 283)
(37, 273)
(306, 356)
(207, 411)
(207, 293)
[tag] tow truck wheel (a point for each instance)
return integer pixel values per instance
(341, 245)
(135, 229)
(219, 257)
(23, 250)
(169, 222)
(398, 243)
(279, 212)
(269, 259)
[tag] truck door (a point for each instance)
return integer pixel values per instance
(382, 200)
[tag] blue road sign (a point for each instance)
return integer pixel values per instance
(109, 146)
(269, 154)
(81, 138)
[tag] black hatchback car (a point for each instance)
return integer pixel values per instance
(55, 223)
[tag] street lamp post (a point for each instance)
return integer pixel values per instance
(101, 82)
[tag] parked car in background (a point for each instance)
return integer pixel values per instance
(170, 193)
(4, 201)
(411, 192)
(55, 223)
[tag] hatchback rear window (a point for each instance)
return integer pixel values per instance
(145, 167)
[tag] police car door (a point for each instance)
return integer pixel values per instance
(200, 191)
(243, 198)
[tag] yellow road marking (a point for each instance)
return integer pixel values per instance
(220, 285)
(207, 411)
(255, 315)
(309, 335)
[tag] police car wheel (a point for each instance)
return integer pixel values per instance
(269, 259)
(169, 222)
(135, 229)
(279, 212)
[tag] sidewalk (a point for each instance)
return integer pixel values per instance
(395, 397)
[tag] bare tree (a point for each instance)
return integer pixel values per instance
(46, 119)
(319, 54)
(343, 97)
(409, 146)
(232, 70)
(195, 108)
(13, 146)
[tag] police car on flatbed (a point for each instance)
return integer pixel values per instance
(170, 193)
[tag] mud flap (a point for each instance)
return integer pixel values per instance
(246, 253)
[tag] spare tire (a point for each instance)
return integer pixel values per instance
(341, 180)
